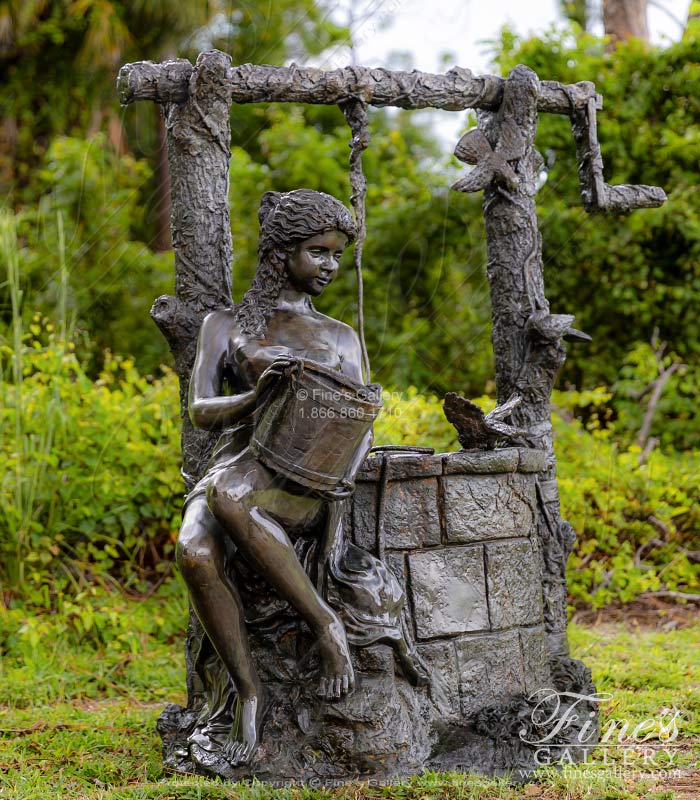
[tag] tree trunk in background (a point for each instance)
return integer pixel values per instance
(625, 19)
(8, 148)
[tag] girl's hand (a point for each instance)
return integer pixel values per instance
(276, 369)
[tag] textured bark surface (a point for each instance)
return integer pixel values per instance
(527, 339)
(596, 194)
(513, 240)
(455, 90)
(168, 82)
(625, 19)
(163, 239)
(198, 135)
(199, 138)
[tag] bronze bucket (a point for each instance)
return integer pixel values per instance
(313, 423)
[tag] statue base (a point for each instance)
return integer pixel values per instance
(459, 532)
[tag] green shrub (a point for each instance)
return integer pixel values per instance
(91, 490)
(113, 277)
(676, 422)
(638, 526)
(91, 486)
(94, 643)
(409, 418)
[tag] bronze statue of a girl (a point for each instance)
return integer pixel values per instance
(242, 352)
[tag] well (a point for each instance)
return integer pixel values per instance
(459, 531)
(477, 538)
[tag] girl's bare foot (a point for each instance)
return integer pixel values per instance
(337, 675)
(238, 747)
(242, 744)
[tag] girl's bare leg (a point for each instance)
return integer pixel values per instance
(265, 544)
(201, 558)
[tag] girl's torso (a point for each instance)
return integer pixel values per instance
(312, 336)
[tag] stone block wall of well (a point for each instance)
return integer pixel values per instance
(459, 531)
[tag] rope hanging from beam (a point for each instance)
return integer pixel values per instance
(355, 112)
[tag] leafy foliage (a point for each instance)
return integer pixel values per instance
(409, 418)
(676, 422)
(576, 10)
(637, 526)
(91, 486)
(81, 44)
(113, 277)
(53, 656)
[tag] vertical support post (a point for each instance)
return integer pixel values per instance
(198, 136)
(527, 339)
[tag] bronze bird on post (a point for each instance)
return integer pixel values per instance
(479, 431)
(490, 164)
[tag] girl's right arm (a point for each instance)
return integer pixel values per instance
(208, 407)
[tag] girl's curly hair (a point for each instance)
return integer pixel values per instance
(285, 220)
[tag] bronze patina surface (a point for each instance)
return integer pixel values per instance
(298, 550)
(266, 495)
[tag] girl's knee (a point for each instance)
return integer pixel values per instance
(199, 553)
(225, 502)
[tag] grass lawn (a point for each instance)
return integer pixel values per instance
(80, 691)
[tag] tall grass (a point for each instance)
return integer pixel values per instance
(30, 452)
(90, 489)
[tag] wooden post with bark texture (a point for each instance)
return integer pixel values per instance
(527, 339)
(199, 136)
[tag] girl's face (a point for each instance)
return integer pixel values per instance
(313, 263)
